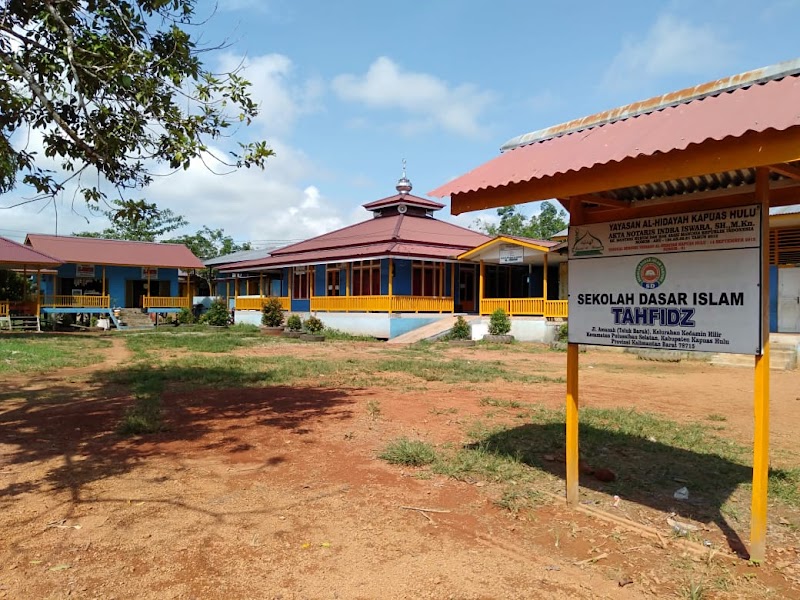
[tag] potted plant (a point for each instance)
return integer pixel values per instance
(272, 317)
(294, 326)
(461, 333)
(313, 330)
(499, 326)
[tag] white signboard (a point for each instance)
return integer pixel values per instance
(84, 271)
(511, 254)
(662, 295)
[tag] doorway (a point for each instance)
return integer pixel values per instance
(466, 289)
(789, 300)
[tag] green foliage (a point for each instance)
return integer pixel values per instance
(563, 333)
(408, 452)
(145, 225)
(294, 323)
(217, 314)
(145, 415)
(13, 286)
(335, 334)
(543, 226)
(117, 88)
(186, 317)
(313, 325)
(210, 243)
(461, 330)
(272, 313)
(43, 352)
(499, 323)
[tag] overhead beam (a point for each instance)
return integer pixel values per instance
(602, 201)
(789, 171)
(754, 149)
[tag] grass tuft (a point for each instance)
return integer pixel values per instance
(408, 452)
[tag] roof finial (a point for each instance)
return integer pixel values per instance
(403, 184)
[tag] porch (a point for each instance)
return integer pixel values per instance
(532, 307)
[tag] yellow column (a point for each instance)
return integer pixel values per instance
(347, 279)
(104, 285)
(453, 282)
(189, 289)
(480, 287)
(38, 291)
(441, 279)
(149, 289)
(261, 284)
(544, 278)
(391, 282)
(572, 424)
(758, 505)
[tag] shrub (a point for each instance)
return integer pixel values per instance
(563, 333)
(217, 314)
(186, 316)
(313, 325)
(294, 323)
(499, 323)
(272, 313)
(461, 330)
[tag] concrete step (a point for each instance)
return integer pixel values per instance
(426, 332)
(781, 358)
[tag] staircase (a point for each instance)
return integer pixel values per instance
(782, 357)
(133, 318)
(24, 323)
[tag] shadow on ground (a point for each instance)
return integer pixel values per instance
(647, 472)
(72, 430)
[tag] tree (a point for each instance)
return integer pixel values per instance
(13, 286)
(145, 226)
(543, 226)
(115, 88)
(210, 243)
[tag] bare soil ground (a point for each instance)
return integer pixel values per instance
(277, 492)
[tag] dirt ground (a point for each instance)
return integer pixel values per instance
(277, 492)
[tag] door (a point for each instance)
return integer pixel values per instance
(466, 289)
(135, 290)
(789, 300)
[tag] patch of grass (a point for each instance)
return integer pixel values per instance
(515, 499)
(784, 484)
(42, 352)
(458, 370)
(450, 410)
(141, 344)
(145, 416)
(404, 451)
(717, 418)
(694, 590)
(336, 335)
(478, 461)
(500, 403)
(374, 409)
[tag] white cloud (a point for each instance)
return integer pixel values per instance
(430, 101)
(672, 46)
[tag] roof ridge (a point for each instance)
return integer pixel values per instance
(716, 87)
(102, 239)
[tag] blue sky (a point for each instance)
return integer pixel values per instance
(349, 88)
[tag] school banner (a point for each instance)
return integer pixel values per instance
(679, 282)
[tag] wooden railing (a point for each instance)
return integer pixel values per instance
(4, 309)
(257, 302)
(166, 302)
(513, 306)
(381, 304)
(535, 307)
(556, 309)
(75, 301)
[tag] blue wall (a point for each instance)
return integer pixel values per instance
(320, 276)
(401, 286)
(115, 280)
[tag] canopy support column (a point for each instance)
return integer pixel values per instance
(391, 278)
(481, 280)
(758, 506)
(544, 278)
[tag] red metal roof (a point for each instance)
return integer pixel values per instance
(395, 235)
(409, 199)
(17, 255)
(730, 114)
(98, 251)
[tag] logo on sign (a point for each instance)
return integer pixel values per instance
(650, 273)
(586, 244)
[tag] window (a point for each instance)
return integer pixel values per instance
(332, 281)
(367, 278)
(426, 278)
(300, 283)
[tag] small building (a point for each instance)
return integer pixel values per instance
(397, 271)
(18, 258)
(784, 259)
(98, 275)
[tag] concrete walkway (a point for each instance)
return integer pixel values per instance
(426, 332)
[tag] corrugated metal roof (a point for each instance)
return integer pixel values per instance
(772, 105)
(409, 199)
(99, 251)
(235, 257)
(392, 235)
(785, 210)
(13, 254)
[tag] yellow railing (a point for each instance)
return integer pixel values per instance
(166, 302)
(75, 301)
(556, 309)
(257, 303)
(381, 304)
(535, 307)
(513, 306)
(3, 309)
